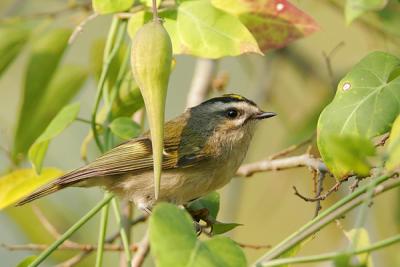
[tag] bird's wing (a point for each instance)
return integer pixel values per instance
(135, 156)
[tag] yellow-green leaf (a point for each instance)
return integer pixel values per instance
(64, 118)
(111, 6)
(355, 8)
(350, 154)
(21, 182)
(44, 59)
(27, 261)
(12, 39)
(393, 149)
(359, 239)
(125, 128)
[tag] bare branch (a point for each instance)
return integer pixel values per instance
(74, 260)
(201, 82)
(48, 225)
(323, 196)
(142, 249)
(305, 160)
(290, 149)
(320, 188)
(80, 247)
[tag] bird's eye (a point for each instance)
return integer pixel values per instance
(232, 113)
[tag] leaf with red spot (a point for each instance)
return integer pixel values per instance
(274, 23)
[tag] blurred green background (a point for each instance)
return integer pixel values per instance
(294, 82)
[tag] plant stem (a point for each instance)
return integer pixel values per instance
(42, 256)
(332, 255)
(124, 236)
(117, 33)
(102, 232)
(340, 207)
(154, 8)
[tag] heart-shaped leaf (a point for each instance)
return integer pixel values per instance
(19, 183)
(61, 121)
(111, 6)
(171, 225)
(274, 23)
(125, 128)
(366, 103)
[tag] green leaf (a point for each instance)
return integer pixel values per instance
(125, 128)
(366, 103)
(219, 228)
(12, 39)
(171, 225)
(27, 261)
(111, 6)
(199, 29)
(19, 183)
(44, 59)
(63, 119)
(359, 239)
(209, 202)
(393, 148)
(274, 24)
(206, 31)
(355, 8)
(129, 99)
(350, 154)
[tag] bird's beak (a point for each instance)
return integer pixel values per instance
(264, 115)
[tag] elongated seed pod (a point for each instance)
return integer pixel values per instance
(151, 59)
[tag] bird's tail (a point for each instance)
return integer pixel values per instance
(41, 192)
(56, 185)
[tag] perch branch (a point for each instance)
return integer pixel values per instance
(305, 160)
(142, 249)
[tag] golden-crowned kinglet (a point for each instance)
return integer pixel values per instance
(203, 148)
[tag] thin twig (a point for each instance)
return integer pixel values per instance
(201, 82)
(320, 188)
(383, 140)
(305, 160)
(323, 196)
(328, 61)
(142, 249)
(79, 247)
(77, 258)
(251, 246)
(290, 149)
(139, 219)
(50, 14)
(344, 205)
(79, 28)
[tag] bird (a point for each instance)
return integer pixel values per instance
(203, 148)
